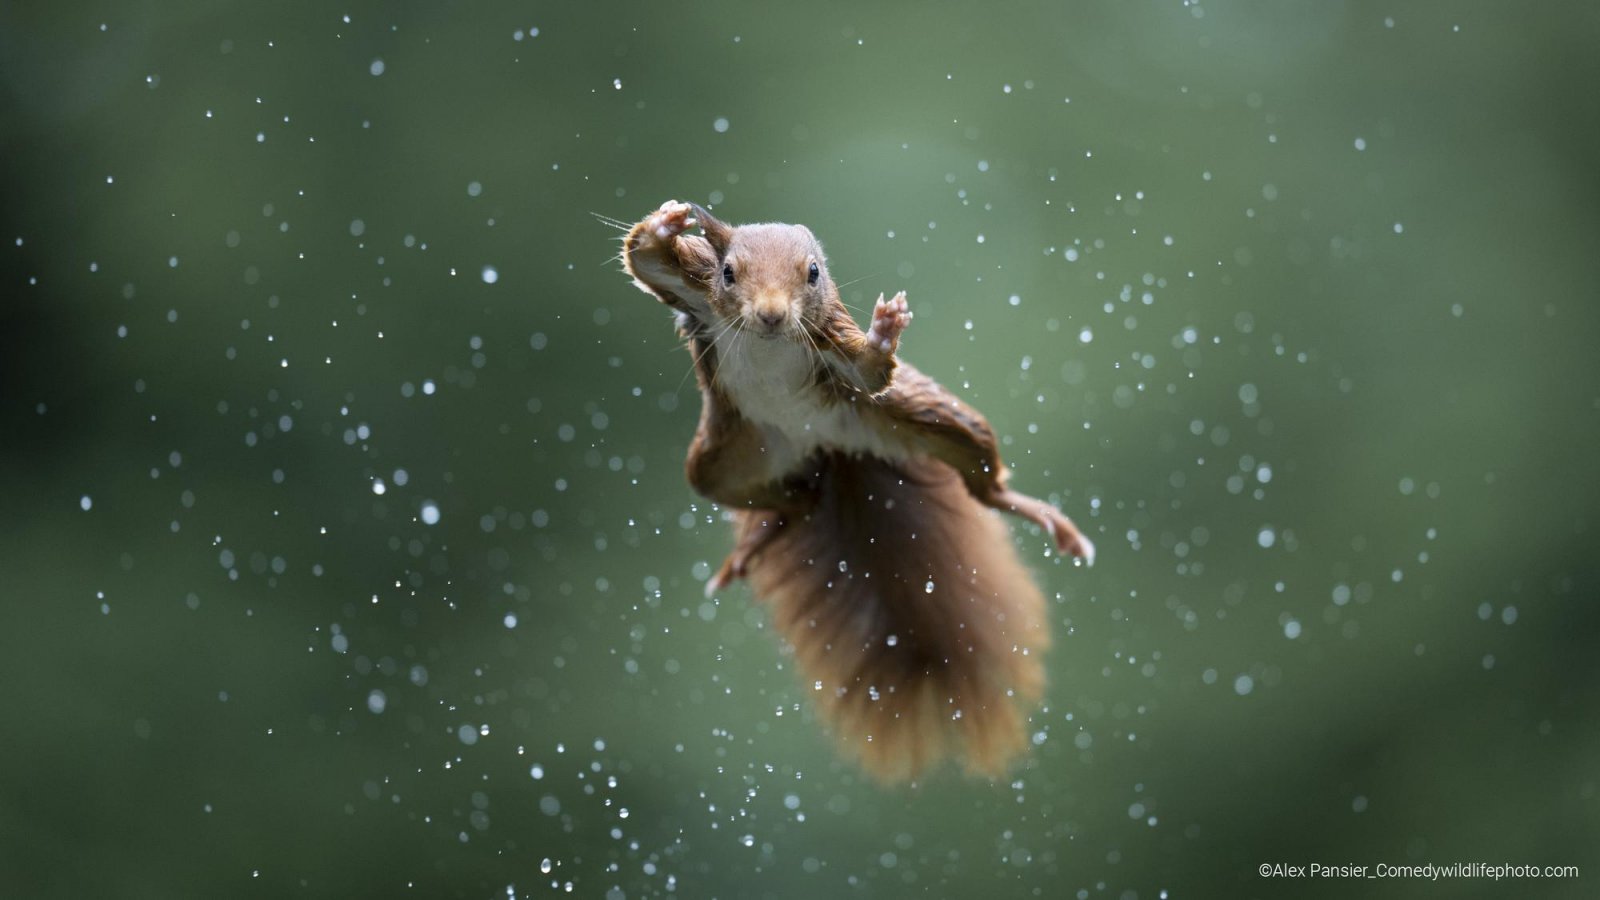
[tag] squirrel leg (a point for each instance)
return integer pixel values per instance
(1068, 539)
(955, 434)
(755, 532)
(731, 463)
(866, 359)
(988, 486)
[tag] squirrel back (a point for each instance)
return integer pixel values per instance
(910, 615)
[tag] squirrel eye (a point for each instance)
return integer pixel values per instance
(814, 274)
(727, 274)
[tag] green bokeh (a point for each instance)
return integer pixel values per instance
(1318, 276)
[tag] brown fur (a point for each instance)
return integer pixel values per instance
(854, 574)
(842, 547)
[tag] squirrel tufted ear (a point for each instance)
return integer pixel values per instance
(718, 232)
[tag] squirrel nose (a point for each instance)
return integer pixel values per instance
(772, 318)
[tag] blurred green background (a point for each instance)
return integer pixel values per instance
(347, 550)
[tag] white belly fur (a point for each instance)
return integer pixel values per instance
(771, 382)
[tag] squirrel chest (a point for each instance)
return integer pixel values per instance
(773, 383)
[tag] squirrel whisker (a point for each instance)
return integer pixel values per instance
(618, 224)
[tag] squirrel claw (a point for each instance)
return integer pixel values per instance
(889, 318)
(737, 563)
(1067, 538)
(670, 220)
(1082, 548)
(731, 570)
(1071, 541)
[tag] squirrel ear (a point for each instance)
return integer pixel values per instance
(718, 232)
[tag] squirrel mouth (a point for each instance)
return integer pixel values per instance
(769, 332)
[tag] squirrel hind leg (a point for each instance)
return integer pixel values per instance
(1066, 536)
(753, 530)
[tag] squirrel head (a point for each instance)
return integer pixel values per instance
(770, 279)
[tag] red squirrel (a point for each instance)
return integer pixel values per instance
(860, 491)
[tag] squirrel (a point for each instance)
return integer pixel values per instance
(860, 492)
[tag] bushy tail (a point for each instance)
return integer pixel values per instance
(910, 614)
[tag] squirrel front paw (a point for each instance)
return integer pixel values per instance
(670, 220)
(889, 318)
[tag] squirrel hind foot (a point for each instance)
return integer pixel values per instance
(1062, 532)
(1084, 550)
(757, 529)
(724, 576)
(1068, 539)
